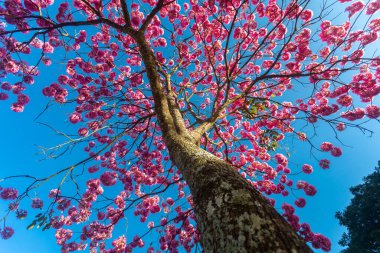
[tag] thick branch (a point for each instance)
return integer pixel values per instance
(178, 121)
(124, 7)
(153, 13)
(161, 105)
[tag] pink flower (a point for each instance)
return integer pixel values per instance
(344, 100)
(62, 235)
(17, 107)
(119, 202)
(11, 67)
(301, 184)
(83, 131)
(13, 206)
(6, 86)
(9, 194)
(324, 164)
(310, 190)
(335, 151)
(23, 99)
(21, 214)
(372, 111)
(3, 96)
(46, 61)
(307, 169)
(93, 169)
(355, 114)
(108, 178)
(170, 201)
(37, 203)
(49, 91)
(373, 7)
(281, 159)
(7, 233)
(47, 48)
(374, 25)
(28, 79)
(326, 146)
(300, 202)
(30, 5)
(101, 215)
(340, 126)
(119, 244)
(354, 8)
(54, 193)
(306, 15)
(321, 242)
(63, 204)
(75, 117)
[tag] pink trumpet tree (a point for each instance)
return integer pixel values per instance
(187, 98)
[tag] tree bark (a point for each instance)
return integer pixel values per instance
(232, 216)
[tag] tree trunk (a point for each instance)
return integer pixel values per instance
(231, 214)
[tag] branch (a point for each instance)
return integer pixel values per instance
(124, 7)
(67, 24)
(149, 18)
(161, 105)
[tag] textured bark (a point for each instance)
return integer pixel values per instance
(232, 216)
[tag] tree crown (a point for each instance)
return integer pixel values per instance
(216, 73)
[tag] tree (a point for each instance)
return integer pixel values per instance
(180, 94)
(362, 216)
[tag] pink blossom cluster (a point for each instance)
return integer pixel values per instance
(328, 147)
(119, 245)
(21, 214)
(37, 203)
(13, 206)
(340, 126)
(324, 163)
(333, 35)
(8, 193)
(149, 205)
(6, 232)
(372, 111)
(96, 232)
(307, 168)
(55, 91)
(63, 15)
(357, 113)
(108, 178)
(186, 235)
(300, 202)
(63, 204)
(373, 7)
(374, 25)
(62, 235)
(308, 188)
(317, 240)
(355, 7)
